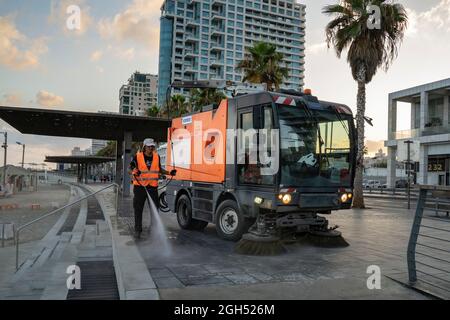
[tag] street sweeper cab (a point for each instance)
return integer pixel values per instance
(264, 161)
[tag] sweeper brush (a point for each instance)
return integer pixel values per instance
(326, 239)
(259, 245)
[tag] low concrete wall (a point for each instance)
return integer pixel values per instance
(133, 277)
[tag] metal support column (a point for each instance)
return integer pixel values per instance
(127, 141)
(119, 164)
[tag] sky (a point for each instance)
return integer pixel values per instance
(44, 64)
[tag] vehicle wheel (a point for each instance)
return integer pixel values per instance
(230, 223)
(184, 215)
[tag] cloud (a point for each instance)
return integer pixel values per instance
(47, 99)
(138, 23)
(317, 48)
(127, 54)
(12, 99)
(429, 23)
(59, 16)
(96, 55)
(18, 52)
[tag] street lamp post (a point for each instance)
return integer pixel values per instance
(23, 152)
(5, 146)
(408, 164)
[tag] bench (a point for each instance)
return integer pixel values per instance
(35, 206)
(9, 206)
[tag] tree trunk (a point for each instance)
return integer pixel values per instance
(358, 200)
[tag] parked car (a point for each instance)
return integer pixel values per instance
(401, 184)
(372, 184)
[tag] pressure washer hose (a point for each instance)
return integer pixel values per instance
(163, 205)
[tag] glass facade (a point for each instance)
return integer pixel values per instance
(165, 58)
(216, 33)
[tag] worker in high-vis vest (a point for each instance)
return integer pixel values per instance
(145, 169)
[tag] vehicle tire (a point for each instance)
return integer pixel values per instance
(184, 215)
(230, 223)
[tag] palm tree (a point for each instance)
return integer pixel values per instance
(153, 111)
(368, 50)
(204, 97)
(262, 64)
(177, 106)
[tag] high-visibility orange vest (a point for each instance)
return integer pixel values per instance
(147, 177)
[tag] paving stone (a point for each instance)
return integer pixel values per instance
(168, 282)
(241, 279)
(160, 273)
(198, 281)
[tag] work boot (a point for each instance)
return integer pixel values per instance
(137, 235)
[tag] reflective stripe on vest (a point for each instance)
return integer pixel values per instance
(147, 177)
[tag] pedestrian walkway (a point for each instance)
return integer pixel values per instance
(73, 240)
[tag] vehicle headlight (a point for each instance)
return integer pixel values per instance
(286, 199)
(344, 198)
(259, 200)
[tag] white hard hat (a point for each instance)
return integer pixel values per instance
(149, 143)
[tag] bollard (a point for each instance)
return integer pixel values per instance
(3, 235)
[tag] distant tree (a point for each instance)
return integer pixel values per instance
(262, 64)
(203, 97)
(153, 112)
(109, 150)
(177, 106)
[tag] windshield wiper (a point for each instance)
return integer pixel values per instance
(339, 116)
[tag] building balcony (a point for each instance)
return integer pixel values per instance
(216, 31)
(216, 63)
(192, 23)
(217, 47)
(218, 15)
(189, 78)
(405, 134)
(216, 76)
(436, 130)
(190, 69)
(218, 3)
(418, 133)
(190, 37)
(190, 53)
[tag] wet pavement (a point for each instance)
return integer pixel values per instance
(202, 266)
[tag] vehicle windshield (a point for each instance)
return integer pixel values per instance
(315, 147)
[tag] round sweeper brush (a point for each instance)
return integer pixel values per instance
(259, 245)
(327, 239)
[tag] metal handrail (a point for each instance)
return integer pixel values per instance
(17, 235)
(415, 234)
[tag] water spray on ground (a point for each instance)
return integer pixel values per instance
(157, 230)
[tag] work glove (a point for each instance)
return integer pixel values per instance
(173, 173)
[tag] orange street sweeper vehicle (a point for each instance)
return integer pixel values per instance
(265, 160)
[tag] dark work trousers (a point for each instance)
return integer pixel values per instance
(140, 198)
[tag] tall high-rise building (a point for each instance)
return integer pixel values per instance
(205, 39)
(139, 94)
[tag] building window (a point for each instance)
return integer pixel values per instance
(435, 112)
